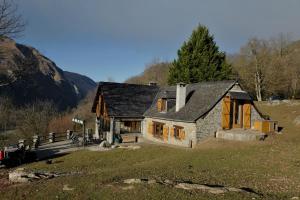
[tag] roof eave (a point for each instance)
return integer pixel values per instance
(171, 119)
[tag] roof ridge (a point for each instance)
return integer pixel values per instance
(132, 84)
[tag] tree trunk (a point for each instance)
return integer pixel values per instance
(258, 80)
(258, 86)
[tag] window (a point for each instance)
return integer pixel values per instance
(158, 129)
(179, 132)
(130, 127)
(161, 105)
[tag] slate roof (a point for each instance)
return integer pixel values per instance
(125, 100)
(240, 95)
(200, 99)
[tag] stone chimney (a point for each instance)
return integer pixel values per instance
(180, 96)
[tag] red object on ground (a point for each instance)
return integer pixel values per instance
(1, 155)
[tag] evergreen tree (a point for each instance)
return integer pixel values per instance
(199, 59)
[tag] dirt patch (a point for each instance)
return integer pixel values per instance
(4, 182)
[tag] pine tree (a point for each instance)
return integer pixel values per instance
(199, 59)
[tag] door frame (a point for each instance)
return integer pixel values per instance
(235, 113)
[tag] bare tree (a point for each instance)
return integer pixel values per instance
(34, 119)
(156, 71)
(251, 65)
(11, 23)
(269, 67)
(6, 112)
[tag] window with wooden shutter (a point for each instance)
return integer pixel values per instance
(226, 110)
(247, 115)
(150, 128)
(159, 106)
(172, 131)
(165, 132)
(181, 134)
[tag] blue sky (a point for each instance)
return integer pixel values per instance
(117, 38)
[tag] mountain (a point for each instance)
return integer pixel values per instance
(27, 76)
(81, 83)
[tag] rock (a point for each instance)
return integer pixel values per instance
(133, 181)
(297, 121)
(18, 176)
(67, 188)
(130, 187)
(232, 189)
(168, 182)
(295, 198)
(190, 186)
(48, 162)
(105, 144)
(114, 146)
(131, 147)
(21, 176)
(151, 181)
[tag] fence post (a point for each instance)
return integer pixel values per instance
(88, 134)
(69, 133)
(52, 137)
(21, 143)
(36, 141)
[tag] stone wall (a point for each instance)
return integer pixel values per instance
(211, 123)
(255, 116)
(189, 128)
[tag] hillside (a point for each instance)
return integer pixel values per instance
(27, 76)
(81, 83)
(155, 72)
(266, 169)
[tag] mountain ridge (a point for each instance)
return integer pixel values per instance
(27, 76)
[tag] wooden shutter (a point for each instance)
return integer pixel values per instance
(150, 128)
(159, 106)
(172, 130)
(247, 115)
(163, 105)
(181, 134)
(98, 110)
(226, 109)
(165, 132)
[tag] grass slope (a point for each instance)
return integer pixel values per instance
(271, 168)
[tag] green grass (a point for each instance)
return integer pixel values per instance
(271, 167)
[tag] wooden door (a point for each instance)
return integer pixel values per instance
(226, 112)
(237, 113)
(247, 115)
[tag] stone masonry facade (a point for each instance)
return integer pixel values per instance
(211, 123)
(189, 128)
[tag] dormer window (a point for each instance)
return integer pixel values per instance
(162, 105)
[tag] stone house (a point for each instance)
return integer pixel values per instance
(119, 109)
(180, 115)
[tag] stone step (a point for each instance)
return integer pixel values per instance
(240, 135)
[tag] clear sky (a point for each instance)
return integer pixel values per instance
(116, 38)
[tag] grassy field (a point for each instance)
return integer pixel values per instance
(271, 167)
